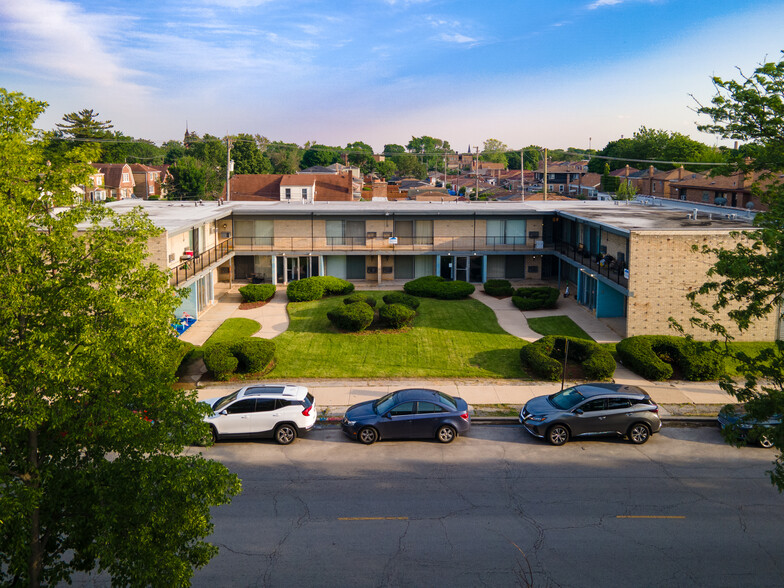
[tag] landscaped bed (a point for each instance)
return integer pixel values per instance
(453, 339)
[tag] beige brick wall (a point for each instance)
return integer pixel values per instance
(664, 271)
(157, 251)
(614, 244)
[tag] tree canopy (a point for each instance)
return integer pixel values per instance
(92, 432)
(746, 283)
(494, 151)
(84, 125)
(248, 158)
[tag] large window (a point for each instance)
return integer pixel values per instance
(410, 232)
(345, 232)
(505, 232)
(253, 233)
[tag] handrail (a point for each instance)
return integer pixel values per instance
(614, 270)
(191, 267)
(435, 243)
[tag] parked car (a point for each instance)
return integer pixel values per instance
(281, 412)
(746, 427)
(414, 413)
(592, 409)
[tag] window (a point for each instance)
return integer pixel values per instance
(253, 232)
(505, 232)
(683, 195)
(593, 405)
(428, 408)
(126, 178)
(403, 409)
(653, 187)
(151, 188)
(99, 181)
(618, 403)
(345, 232)
(243, 406)
(411, 232)
(706, 196)
(288, 193)
(265, 405)
(304, 193)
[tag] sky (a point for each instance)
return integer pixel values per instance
(559, 73)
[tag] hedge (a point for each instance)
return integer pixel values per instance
(352, 317)
(544, 356)
(652, 356)
(396, 316)
(360, 297)
(257, 292)
(438, 287)
(402, 298)
(498, 288)
(317, 287)
(250, 355)
(535, 298)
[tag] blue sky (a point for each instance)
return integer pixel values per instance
(560, 73)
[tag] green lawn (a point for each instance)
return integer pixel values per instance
(558, 325)
(448, 339)
(233, 329)
(751, 348)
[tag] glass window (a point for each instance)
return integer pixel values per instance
(304, 193)
(403, 409)
(618, 403)
(448, 400)
(423, 232)
(288, 193)
(224, 401)
(242, 406)
(384, 403)
(428, 408)
(265, 404)
(334, 232)
(706, 196)
(566, 399)
(593, 405)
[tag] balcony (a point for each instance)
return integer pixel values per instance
(367, 243)
(183, 272)
(612, 270)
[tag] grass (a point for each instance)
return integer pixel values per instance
(558, 325)
(233, 329)
(750, 348)
(448, 339)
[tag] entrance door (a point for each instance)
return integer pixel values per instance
(446, 267)
(475, 269)
(355, 267)
(404, 267)
(461, 271)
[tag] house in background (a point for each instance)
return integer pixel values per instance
(656, 182)
(291, 187)
(150, 180)
(734, 190)
(118, 180)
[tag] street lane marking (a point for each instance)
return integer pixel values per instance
(372, 518)
(649, 517)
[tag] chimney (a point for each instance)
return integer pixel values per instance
(650, 171)
(681, 171)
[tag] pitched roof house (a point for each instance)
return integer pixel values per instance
(291, 187)
(118, 179)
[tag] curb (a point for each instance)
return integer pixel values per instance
(676, 421)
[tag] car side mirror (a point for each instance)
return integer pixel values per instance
(578, 411)
(224, 412)
(388, 415)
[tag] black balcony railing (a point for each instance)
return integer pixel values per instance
(408, 243)
(191, 267)
(603, 265)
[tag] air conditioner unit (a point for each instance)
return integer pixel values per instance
(538, 244)
(225, 234)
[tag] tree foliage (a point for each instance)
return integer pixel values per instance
(494, 151)
(84, 125)
(322, 155)
(746, 283)
(429, 150)
(189, 178)
(92, 474)
(248, 158)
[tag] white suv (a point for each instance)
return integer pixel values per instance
(281, 412)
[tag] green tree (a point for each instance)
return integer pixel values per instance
(747, 283)
(248, 158)
(626, 191)
(532, 155)
(189, 179)
(84, 125)
(361, 155)
(430, 150)
(129, 150)
(513, 159)
(322, 155)
(609, 183)
(386, 168)
(211, 151)
(391, 149)
(173, 150)
(92, 470)
(409, 165)
(494, 151)
(284, 157)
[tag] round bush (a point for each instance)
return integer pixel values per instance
(402, 298)
(360, 297)
(438, 287)
(396, 316)
(498, 288)
(257, 292)
(334, 286)
(352, 317)
(253, 354)
(305, 290)
(220, 360)
(652, 357)
(535, 298)
(544, 355)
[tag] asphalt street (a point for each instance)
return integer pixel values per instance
(498, 508)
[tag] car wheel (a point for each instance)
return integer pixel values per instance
(285, 434)
(639, 433)
(557, 435)
(367, 435)
(446, 434)
(765, 441)
(213, 435)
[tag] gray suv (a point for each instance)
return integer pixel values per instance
(592, 409)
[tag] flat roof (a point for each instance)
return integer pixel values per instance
(177, 216)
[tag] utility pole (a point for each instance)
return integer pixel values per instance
(522, 173)
(228, 167)
(477, 172)
(544, 186)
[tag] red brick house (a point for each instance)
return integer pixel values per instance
(292, 187)
(734, 190)
(150, 180)
(118, 180)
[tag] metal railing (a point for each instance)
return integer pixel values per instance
(198, 263)
(409, 243)
(610, 268)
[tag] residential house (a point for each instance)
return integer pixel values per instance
(291, 187)
(734, 190)
(561, 175)
(150, 181)
(118, 180)
(656, 182)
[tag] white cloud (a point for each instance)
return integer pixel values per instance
(600, 3)
(456, 38)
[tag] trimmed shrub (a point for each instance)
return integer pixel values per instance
(253, 354)
(438, 287)
(402, 298)
(396, 316)
(257, 292)
(305, 290)
(652, 357)
(352, 317)
(220, 360)
(535, 298)
(543, 357)
(360, 297)
(334, 286)
(498, 288)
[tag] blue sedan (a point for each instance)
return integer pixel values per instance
(414, 413)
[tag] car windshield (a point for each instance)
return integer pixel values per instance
(383, 404)
(218, 406)
(448, 400)
(566, 399)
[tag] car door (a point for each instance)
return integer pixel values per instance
(425, 422)
(398, 422)
(589, 417)
(236, 421)
(265, 417)
(619, 415)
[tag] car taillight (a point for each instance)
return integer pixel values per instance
(306, 412)
(464, 416)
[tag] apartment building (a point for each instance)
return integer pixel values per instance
(624, 261)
